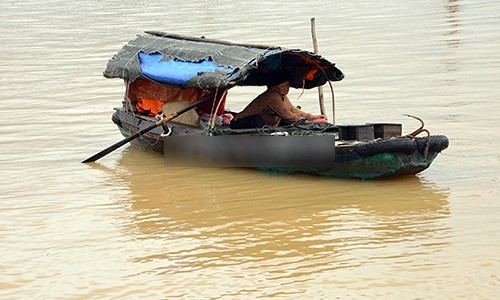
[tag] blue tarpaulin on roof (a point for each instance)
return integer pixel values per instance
(175, 72)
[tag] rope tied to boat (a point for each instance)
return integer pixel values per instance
(303, 89)
(214, 112)
(421, 129)
(331, 90)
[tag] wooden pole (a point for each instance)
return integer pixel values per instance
(205, 40)
(315, 45)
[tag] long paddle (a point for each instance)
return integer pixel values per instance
(143, 131)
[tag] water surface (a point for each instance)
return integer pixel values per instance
(128, 227)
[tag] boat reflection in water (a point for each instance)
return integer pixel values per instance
(246, 226)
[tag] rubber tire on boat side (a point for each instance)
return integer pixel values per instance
(116, 119)
(402, 145)
(437, 143)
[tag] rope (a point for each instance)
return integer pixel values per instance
(303, 89)
(217, 109)
(127, 99)
(331, 89)
(419, 131)
(156, 38)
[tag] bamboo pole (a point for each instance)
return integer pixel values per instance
(204, 40)
(315, 45)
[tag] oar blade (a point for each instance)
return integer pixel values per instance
(118, 145)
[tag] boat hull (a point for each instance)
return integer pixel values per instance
(360, 160)
(372, 167)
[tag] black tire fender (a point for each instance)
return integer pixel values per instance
(404, 145)
(437, 143)
(116, 119)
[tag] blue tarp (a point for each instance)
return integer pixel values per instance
(175, 72)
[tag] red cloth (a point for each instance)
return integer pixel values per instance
(320, 120)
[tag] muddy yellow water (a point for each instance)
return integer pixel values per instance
(128, 227)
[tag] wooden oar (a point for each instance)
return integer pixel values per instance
(143, 131)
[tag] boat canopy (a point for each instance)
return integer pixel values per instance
(189, 62)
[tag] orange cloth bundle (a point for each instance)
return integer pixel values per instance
(149, 107)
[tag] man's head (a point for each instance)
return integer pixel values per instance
(281, 88)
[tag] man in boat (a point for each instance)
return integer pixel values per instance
(272, 108)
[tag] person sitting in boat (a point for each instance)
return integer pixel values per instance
(272, 108)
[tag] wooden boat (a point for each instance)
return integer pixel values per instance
(163, 72)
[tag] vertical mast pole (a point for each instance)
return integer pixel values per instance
(315, 45)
